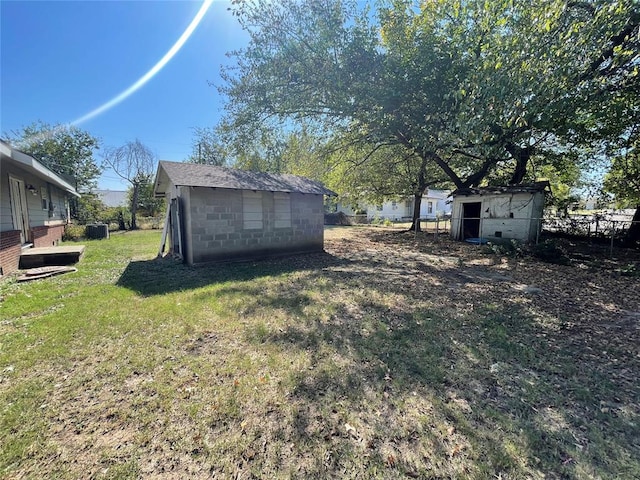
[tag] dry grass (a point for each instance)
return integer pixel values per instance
(389, 356)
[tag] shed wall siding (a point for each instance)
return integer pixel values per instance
(507, 216)
(216, 225)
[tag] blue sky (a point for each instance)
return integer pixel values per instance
(61, 60)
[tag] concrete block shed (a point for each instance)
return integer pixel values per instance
(219, 214)
(494, 213)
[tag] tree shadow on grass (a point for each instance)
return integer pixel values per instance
(513, 404)
(161, 276)
(437, 374)
(478, 386)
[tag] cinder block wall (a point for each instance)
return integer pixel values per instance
(215, 227)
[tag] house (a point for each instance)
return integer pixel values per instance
(112, 198)
(34, 206)
(434, 204)
(218, 214)
(491, 213)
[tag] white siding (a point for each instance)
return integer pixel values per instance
(392, 209)
(403, 208)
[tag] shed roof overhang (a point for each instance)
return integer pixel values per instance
(30, 164)
(537, 187)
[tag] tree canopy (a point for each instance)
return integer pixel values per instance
(66, 150)
(623, 181)
(469, 92)
(207, 147)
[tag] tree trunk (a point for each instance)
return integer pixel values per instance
(415, 223)
(134, 205)
(121, 224)
(633, 235)
(521, 156)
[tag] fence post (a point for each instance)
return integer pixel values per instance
(613, 235)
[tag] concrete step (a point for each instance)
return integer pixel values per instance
(40, 257)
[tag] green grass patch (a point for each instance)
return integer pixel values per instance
(362, 362)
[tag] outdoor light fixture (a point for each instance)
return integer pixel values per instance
(32, 189)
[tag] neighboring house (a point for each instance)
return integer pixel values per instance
(346, 208)
(510, 212)
(112, 198)
(34, 206)
(434, 204)
(218, 214)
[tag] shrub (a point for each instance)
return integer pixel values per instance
(630, 270)
(550, 252)
(547, 251)
(513, 248)
(150, 223)
(73, 232)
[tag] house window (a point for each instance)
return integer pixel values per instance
(252, 210)
(430, 208)
(394, 205)
(282, 208)
(44, 198)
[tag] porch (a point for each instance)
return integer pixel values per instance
(46, 256)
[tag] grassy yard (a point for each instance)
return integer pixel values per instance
(389, 356)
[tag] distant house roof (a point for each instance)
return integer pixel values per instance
(198, 175)
(523, 188)
(27, 162)
(112, 198)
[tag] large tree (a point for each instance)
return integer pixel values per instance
(66, 150)
(207, 147)
(147, 204)
(623, 181)
(477, 89)
(134, 162)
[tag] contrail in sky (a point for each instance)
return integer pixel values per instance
(155, 69)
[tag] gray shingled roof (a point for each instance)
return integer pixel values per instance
(112, 198)
(522, 188)
(198, 175)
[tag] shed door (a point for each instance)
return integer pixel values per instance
(19, 212)
(471, 220)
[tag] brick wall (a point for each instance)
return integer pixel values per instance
(10, 250)
(44, 236)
